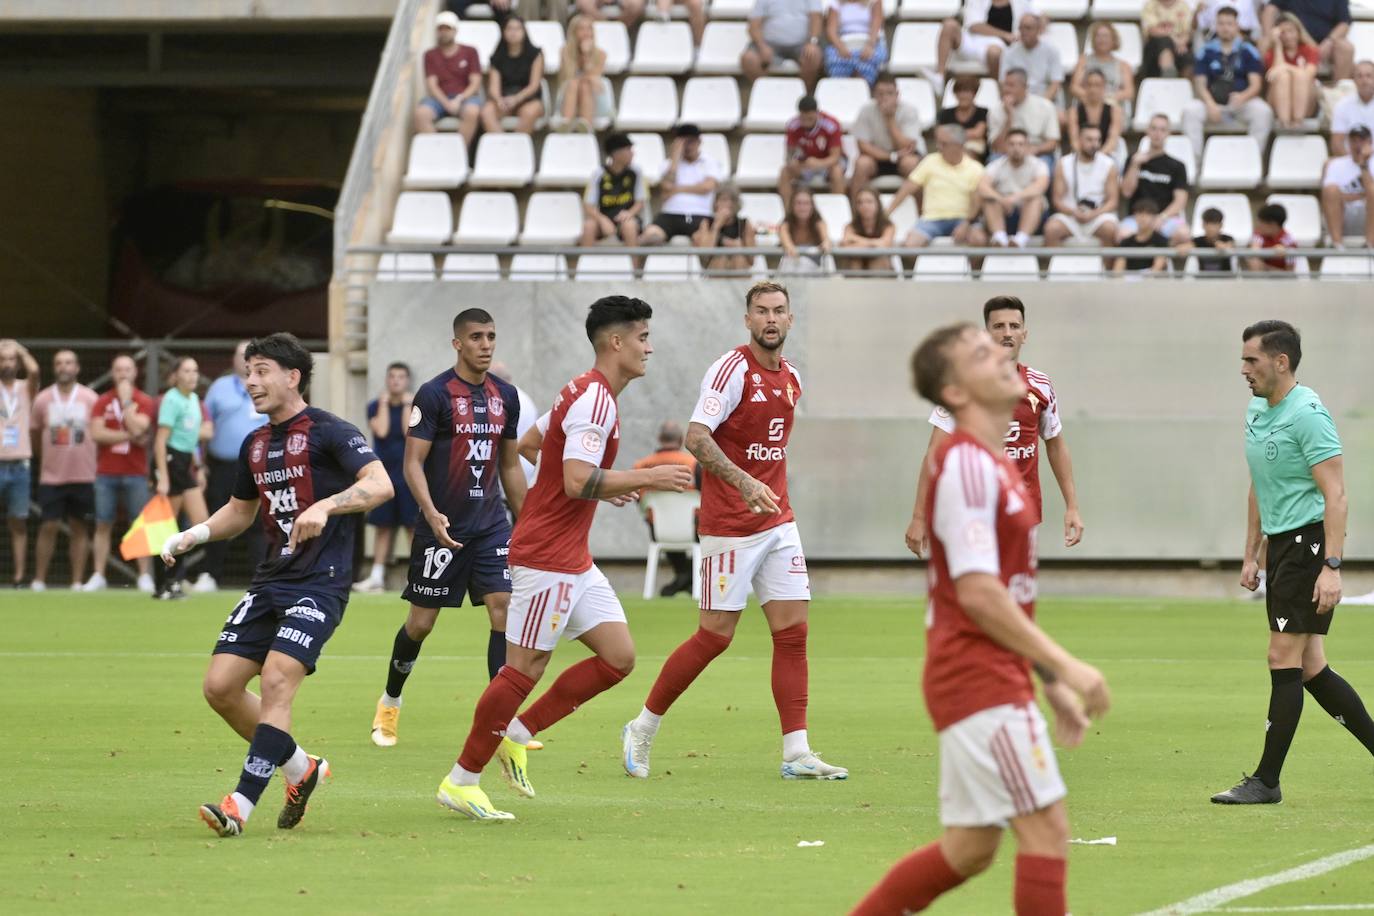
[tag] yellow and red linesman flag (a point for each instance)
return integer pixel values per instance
(150, 530)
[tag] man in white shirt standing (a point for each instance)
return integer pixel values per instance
(1348, 190)
(1087, 189)
(688, 185)
(1354, 109)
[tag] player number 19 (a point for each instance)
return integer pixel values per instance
(436, 561)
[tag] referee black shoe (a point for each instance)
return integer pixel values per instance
(1251, 790)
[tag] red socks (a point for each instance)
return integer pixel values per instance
(1040, 883)
(912, 884)
(574, 687)
(495, 709)
(790, 677)
(682, 667)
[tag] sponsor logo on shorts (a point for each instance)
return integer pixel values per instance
(291, 634)
(228, 636)
(306, 609)
(429, 591)
(1282, 622)
(260, 767)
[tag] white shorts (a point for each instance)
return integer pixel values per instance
(770, 563)
(548, 606)
(974, 48)
(1083, 232)
(996, 765)
(1354, 218)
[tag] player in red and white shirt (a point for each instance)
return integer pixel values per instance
(557, 593)
(749, 541)
(1036, 417)
(997, 766)
(814, 150)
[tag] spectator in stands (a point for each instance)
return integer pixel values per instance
(989, 26)
(1144, 213)
(1103, 43)
(1043, 66)
(1087, 189)
(500, 9)
(1152, 174)
(515, 80)
(453, 82)
(726, 229)
(1270, 236)
(1212, 237)
(613, 204)
(631, 11)
(1327, 21)
(814, 150)
(869, 228)
(946, 186)
(1095, 109)
(387, 417)
(121, 420)
(787, 29)
(1168, 28)
(688, 187)
(18, 387)
(1354, 110)
(854, 30)
(803, 227)
(66, 483)
(583, 93)
(181, 428)
(970, 117)
(888, 132)
(1291, 72)
(1348, 191)
(1227, 80)
(1247, 17)
(1034, 114)
(670, 451)
(1012, 192)
(234, 417)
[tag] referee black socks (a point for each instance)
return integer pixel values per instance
(1343, 704)
(1285, 708)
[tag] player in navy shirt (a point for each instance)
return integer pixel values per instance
(311, 473)
(461, 451)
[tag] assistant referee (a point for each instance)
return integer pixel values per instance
(1297, 501)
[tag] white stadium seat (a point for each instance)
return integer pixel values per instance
(711, 102)
(731, 9)
(483, 36)
(662, 47)
(1304, 221)
(761, 157)
(567, 160)
(406, 267)
(552, 218)
(421, 218)
(717, 147)
(913, 47)
(1235, 215)
(1064, 38)
(1296, 161)
(1230, 162)
(548, 38)
(647, 103)
(835, 210)
(503, 161)
(599, 121)
(1075, 267)
(488, 218)
(1066, 10)
(773, 102)
(928, 9)
(437, 161)
(1359, 267)
(940, 267)
(671, 266)
(471, 267)
(915, 91)
(989, 94)
(544, 268)
(613, 38)
(1161, 96)
(721, 46)
(649, 155)
(1117, 9)
(1010, 265)
(842, 98)
(609, 267)
(1362, 37)
(903, 218)
(1361, 9)
(762, 210)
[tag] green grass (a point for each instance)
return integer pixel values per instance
(108, 748)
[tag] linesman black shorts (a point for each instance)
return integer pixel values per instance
(1294, 561)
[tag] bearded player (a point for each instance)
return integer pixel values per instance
(749, 540)
(1036, 417)
(997, 766)
(557, 591)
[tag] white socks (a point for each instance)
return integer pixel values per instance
(999, 238)
(295, 769)
(245, 806)
(517, 732)
(647, 722)
(378, 572)
(463, 777)
(1022, 240)
(794, 745)
(388, 700)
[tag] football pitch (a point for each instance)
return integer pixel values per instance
(109, 748)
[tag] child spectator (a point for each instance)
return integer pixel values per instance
(1212, 237)
(1271, 236)
(1145, 212)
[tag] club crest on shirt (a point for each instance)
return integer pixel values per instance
(496, 407)
(255, 454)
(460, 406)
(1034, 401)
(296, 443)
(791, 395)
(1271, 450)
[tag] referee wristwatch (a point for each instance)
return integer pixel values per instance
(1333, 563)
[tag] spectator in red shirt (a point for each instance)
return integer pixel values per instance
(813, 150)
(1270, 235)
(1291, 65)
(120, 421)
(453, 82)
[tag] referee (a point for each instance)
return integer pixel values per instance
(1297, 501)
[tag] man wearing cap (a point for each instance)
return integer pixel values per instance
(1348, 190)
(813, 150)
(453, 82)
(613, 205)
(688, 185)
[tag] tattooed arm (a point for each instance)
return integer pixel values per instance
(370, 489)
(585, 481)
(755, 493)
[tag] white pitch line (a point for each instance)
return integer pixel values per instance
(1309, 908)
(1211, 900)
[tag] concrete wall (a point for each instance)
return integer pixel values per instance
(1147, 376)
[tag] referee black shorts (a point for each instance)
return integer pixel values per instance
(1294, 561)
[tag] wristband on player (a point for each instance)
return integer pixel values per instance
(1046, 675)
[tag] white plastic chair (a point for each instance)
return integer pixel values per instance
(1063, 38)
(835, 210)
(731, 9)
(761, 157)
(1362, 37)
(1230, 162)
(715, 146)
(647, 103)
(548, 38)
(1295, 162)
(773, 102)
(1161, 96)
(613, 38)
(903, 218)
(762, 209)
(674, 529)
(542, 268)
(842, 98)
(1359, 267)
(483, 35)
(914, 47)
(917, 92)
(1010, 265)
(671, 267)
(711, 102)
(1063, 9)
(406, 267)
(488, 218)
(721, 46)
(941, 267)
(608, 267)
(567, 160)
(649, 155)
(928, 9)
(421, 218)
(662, 47)
(1304, 221)
(1181, 148)
(552, 218)
(1235, 215)
(437, 162)
(458, 266)
(503, 161)
(1117, 9)
(1075, 267)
